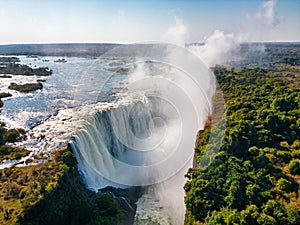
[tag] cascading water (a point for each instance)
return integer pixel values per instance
(107, 150)
(110, 144)
(149, 141)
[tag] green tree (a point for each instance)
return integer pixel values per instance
(294, 167)
(284, 185)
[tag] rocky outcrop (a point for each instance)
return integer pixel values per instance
(126, 198)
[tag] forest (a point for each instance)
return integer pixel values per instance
(254, 178)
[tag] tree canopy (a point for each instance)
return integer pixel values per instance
(252, 178)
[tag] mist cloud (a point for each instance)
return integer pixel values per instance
(221, 47)
(218, 48)
(177, 33)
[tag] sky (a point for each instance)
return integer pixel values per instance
(92, 21)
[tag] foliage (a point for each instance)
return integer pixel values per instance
(13, 135)
(294, 167)
(9, 152)
(284, 185)
(247, 182)
(10, 135)
(66, 157)
(49, 193)
(67, 49)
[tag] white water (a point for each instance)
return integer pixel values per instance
(125, 138)
(149, 142)
(69, 97)
(108, 150)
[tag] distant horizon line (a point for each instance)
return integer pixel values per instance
(119, 43)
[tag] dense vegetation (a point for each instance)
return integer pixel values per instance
(53, 193)
(26, 87)
(254, 178)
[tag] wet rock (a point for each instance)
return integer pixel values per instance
(126, 198)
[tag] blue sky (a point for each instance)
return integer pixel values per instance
(135, 21)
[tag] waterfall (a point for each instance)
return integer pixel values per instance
(127, 145)
(134, 145)
(149, 141)
(138, 144)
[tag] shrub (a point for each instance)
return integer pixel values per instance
(66, 157)
(23, 192)
(296, 154)
(294, 167)
(265, 219)
(283, 155)
(284, 185)
(13, 135)
(254, 151)
(106, 205)
(293, 217)
(12, 190)
(10, 152)
(296, 145)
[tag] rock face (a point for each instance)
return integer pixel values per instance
(126, 198)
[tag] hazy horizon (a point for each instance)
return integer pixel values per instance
(115, 43)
